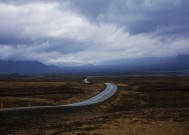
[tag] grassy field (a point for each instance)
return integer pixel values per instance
(143, 105)
(43, 91)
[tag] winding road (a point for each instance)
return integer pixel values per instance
(109, 91)
(104, 95)
(86, 81)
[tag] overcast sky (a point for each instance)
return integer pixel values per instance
(90, 31)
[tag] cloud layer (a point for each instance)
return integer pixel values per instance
(91, 31)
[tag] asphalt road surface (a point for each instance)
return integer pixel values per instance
(109, 91)
(104, 95)
(86, 81)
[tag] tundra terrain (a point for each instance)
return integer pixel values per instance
(144, 105)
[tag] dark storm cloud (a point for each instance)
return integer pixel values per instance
(138, 16)
(91, 8)
(89, 31)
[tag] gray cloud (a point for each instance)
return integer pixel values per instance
(137, 16)
(90, 31)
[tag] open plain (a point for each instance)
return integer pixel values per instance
(144, 105)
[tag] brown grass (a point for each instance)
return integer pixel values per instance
(142, 106)
(20, 93)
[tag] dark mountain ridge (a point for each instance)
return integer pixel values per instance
(118, 67)
(26, 67)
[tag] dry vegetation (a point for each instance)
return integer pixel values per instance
(43, 91)
(143, 105)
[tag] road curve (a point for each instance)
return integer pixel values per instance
(109, 91)
(104, 95)
(86, 81)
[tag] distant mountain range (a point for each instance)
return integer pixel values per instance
(181, 62)
(116, 67)
(26, 67)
